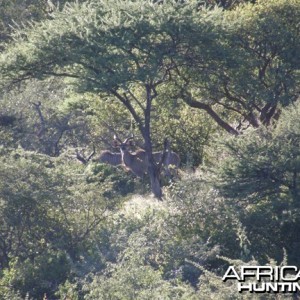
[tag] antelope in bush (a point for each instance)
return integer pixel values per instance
(137, 162)
(108, 157)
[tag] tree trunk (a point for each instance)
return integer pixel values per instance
(154, 180)
(153, 169)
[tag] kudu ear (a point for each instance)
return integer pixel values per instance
(130, 143)
(116, 141)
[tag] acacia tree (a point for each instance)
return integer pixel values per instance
(130, 51)
(125, 50)
(120, 49)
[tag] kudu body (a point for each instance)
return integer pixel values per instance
(135, 162)
(171, 159)
(108, 157)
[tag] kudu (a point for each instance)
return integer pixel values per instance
(137, 162)
(108, 157)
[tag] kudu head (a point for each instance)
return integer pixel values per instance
(125, 145)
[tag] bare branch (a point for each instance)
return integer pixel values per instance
(193, 103)
(131, 109)
(81, 157)
(135, 99)
(37, 106)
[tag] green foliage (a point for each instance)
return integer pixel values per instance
(48, 211)
(70, 230)
(41, 275)
(119, 48)
(58, 120)
(188, 130)
(129, 280)
(265, 163)
(152, 241)
(147, 47)
(197, 210)
(45, 129)
(16, 12)
(68, 291)
(261, 175)
(269, 36)
(88, 30)
(243, 62)
(147, 257)
(103, 117)
(6, 279)
(19, 13)
(114, 181)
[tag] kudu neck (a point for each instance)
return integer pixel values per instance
(126, 155)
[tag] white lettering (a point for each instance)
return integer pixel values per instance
(227, 274)
(296, 286)
(265, 279)
(267, 287)
(265, 271)
(246, 287)
(244, 272)
(284, 271)
(271, 286)
(284, 285)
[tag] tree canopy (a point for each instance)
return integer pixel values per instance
(242, 60)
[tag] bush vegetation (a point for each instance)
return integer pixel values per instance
(219, 79)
